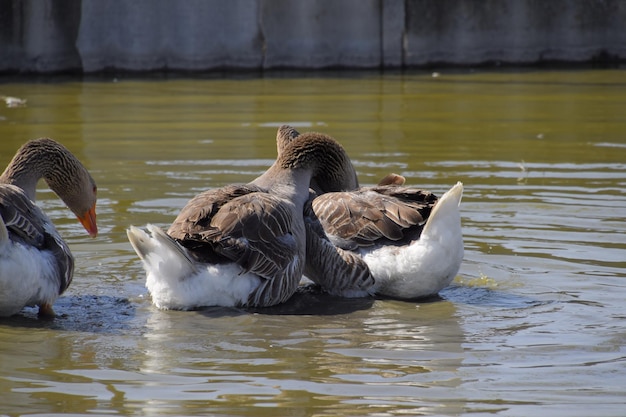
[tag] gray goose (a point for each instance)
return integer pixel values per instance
(410, 240)
(239, 245)
(36, 265)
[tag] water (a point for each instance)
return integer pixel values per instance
(534, 323)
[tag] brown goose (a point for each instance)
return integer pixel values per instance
(336, 270)
(411, 241)
(240, 245)
(36, 265)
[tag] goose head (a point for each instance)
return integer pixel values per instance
(319, 153)
(337, 176)
(312, 155)
(63, 172)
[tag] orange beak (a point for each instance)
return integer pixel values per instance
(88, 220)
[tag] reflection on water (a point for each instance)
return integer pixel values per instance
(340, 358)
(534, 322)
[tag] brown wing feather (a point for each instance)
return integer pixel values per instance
(392, 179)
(238, 224)
(27, 224)
(21, 216)
(197, 214)
(255, 231)
(371, 215)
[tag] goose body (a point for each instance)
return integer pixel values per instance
(36, 265)
(415, 260)
(239, 245)
(410, 240)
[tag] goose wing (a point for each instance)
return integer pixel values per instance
(24, 222)
(21, 217)
(249, 227)
(372, 215)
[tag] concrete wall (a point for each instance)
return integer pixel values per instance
(142, 35)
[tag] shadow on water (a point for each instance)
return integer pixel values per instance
(308, 300)
(487, 297)
(109, 314)
(83, 313)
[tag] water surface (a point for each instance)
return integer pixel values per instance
(534, 322)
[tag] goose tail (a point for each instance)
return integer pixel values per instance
(445, 216)
(443, 231)
(160, 253)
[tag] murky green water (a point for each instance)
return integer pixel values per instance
(534, 323)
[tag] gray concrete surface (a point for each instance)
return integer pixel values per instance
(198, 35)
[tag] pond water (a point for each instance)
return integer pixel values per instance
(535, 322)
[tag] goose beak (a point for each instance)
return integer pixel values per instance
(88, 220)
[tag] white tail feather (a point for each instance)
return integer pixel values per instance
(445, 212)
(161, 253)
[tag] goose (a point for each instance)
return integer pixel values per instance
(242, 245)
(36, 264)
(410, 240)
